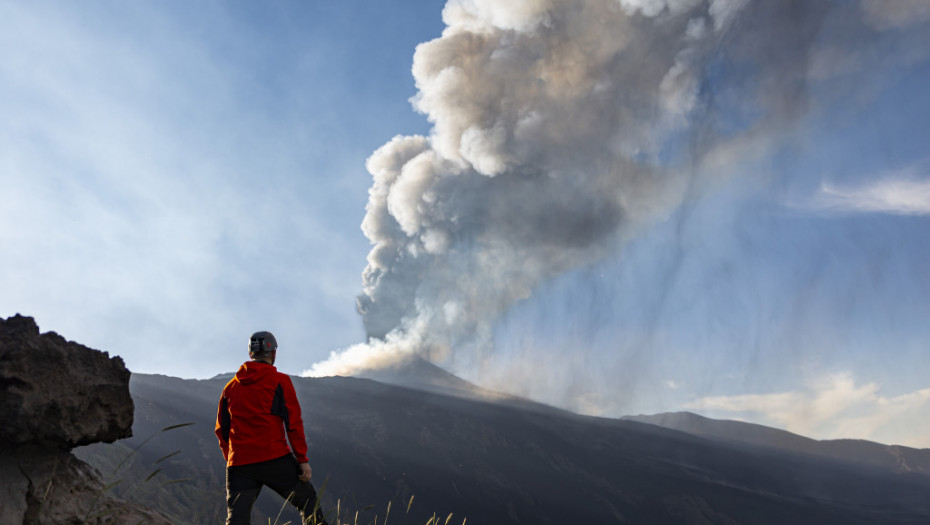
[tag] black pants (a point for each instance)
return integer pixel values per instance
(244, 482)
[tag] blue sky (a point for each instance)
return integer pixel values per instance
(175, 177)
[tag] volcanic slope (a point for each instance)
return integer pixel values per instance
(867, 453)
(496, 463)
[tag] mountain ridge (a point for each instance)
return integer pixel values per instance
(497, 462)
(898, 458)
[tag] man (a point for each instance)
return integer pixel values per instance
(257, 416)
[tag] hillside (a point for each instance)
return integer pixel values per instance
(499, 463)
(891, 457)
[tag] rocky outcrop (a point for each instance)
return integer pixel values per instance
(56, 395)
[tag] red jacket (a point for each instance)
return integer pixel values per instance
(257, 415)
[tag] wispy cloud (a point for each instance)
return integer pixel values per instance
(901, 193)
(834, 407)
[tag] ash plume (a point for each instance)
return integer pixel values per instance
(559, 129)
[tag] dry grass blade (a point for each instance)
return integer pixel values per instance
(159, 460)
(153, 474)
(173, 481)
(179, 425)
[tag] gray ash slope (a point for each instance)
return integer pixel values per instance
(500, 462)
(867, 453)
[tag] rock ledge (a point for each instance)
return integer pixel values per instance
(55, 395)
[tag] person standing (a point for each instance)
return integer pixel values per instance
(261, 434)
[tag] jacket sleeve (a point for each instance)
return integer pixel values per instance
(222, 426)
(294, 422)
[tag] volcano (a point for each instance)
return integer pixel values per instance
(456, 450)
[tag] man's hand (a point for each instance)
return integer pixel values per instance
(305, 472)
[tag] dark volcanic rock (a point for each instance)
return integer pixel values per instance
(42, 485)
(59, 393)
(55, 395)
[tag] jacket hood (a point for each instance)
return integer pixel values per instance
(253, 371)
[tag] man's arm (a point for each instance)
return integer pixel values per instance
(222, 426)
(295, 423)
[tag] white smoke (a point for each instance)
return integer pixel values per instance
(560, 127)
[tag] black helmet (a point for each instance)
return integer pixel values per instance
(262, 344)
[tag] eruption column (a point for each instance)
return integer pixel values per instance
(559, 129)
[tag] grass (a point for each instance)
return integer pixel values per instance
(90, 515)
(353, 518)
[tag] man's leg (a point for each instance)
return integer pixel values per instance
(283, 480)
(241, 491)
(304, 498)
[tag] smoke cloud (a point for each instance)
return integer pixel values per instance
(559, 130)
